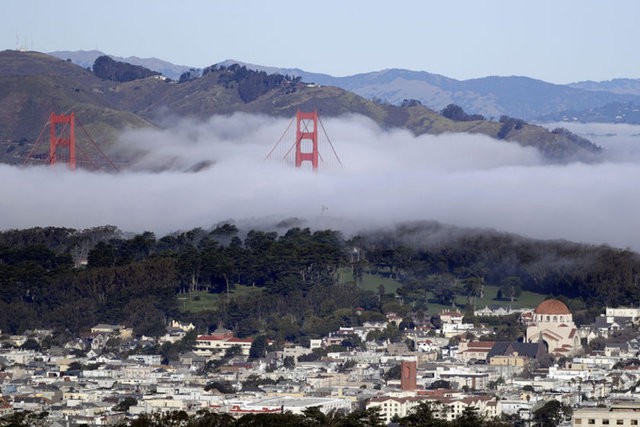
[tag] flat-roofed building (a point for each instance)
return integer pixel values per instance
(445, 405)
(209, 344)
(620, 414)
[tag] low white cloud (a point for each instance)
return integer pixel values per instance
(388, 177)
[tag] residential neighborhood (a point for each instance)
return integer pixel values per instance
(108, 375)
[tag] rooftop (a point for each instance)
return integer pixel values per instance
(552, 306)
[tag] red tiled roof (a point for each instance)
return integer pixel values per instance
(552, 306)
(481, 344)
(224, 339)
(249, 340)
(551, 334)
(211, 338)
(550, 337)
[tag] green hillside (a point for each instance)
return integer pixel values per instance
(34, 84)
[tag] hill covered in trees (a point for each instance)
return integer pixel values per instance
(108, 69)
(297, 284)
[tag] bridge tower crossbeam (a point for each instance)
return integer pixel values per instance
(303, 146)
(64, 139)
(307, 137)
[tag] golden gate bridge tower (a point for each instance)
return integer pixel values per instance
(65, 148)
(306, 144)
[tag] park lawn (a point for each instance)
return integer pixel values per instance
(526, 300)
(371, 282)
(198, 301)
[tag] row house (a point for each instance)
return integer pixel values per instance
(146, 359)
(295, 405)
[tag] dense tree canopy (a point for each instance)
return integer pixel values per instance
(297, 276)
(108, 69)
(456, 113)
(251, 84)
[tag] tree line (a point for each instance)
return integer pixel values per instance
(108, 69)
(69, 279)
(422, 416)
(251, 84)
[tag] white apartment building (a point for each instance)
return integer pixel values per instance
(623, 414)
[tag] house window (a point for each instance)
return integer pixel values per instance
(605, 422)
(619, 422)
(634, 422)
(591, 421)
(578, 420)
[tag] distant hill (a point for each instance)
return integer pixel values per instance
(620, 86)
(86, 58)
(108, 69)
(493, 96)
(614, 112)
(34, 84)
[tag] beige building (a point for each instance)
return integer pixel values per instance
(552, 322)
(209, 345)
(474, 350)
(623, 414)
(514, 360)
(447, 406)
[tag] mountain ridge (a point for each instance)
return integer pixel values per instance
(491, 96)
(86, 58)
(108, 107)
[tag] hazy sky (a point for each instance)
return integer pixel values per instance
(557, 41)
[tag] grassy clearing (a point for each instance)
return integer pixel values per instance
(199, 301)
(526, 300)
(371, 282)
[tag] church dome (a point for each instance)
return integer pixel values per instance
(552, 306)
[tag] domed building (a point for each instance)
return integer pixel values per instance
(552, 323)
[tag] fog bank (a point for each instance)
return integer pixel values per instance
(388, 177)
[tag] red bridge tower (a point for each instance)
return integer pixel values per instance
(68, 141)
(307, 136)
(305, 144)
(64, 148)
